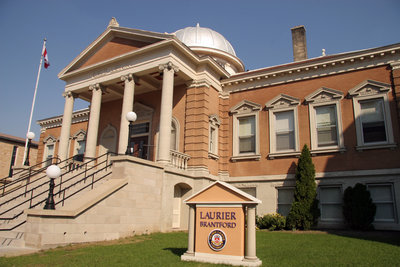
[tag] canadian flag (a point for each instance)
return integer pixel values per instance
(46, 58)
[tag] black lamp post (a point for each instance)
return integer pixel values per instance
(30, 136)
(52, 172)
(131, 117)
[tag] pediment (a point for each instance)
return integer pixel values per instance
(369, 87)
(245, 106)
(113, 42)
(221, 192)
(282, 101)
(49, 140)
(324, 94)
(80, 135)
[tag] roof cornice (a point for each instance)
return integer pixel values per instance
(77, 116)
(312, 68)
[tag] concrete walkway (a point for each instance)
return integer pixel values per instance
(16, 251)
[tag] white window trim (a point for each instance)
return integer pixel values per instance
(214, 124)
(50, 140)
(283, 103)
(393, 203)
(370, 90)
(245, 109)
(79, 136)
(329, 203)
(325, 97)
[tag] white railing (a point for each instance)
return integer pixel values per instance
(179, 160)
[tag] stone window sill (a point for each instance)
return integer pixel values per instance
(284, 154)
(246, 157)
(378, 146)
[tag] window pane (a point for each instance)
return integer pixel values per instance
(382, 197)
(284, 141)
(331, 212)
(246, 126)
(246, 144)
(81, 147)
(247, 134)
(330, 195)
(173, 136)
(331, 203)
(326, 125)
(285, 200)
(284, 209)
(284, 129)
(372, 119)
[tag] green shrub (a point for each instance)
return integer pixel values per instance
(271, 222)
(358, 209)
(304, 212)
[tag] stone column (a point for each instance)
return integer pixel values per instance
(164, 137)
(192, 216)
(94, 117)
(127, 106)
(66, 125)
(250, 253)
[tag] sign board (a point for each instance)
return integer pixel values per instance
(217, 226)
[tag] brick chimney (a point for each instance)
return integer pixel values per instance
(299, 43)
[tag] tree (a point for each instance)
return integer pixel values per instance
(304, 212)
(358, 208)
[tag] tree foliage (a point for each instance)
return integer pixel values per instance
(304, 212)
(358, 208)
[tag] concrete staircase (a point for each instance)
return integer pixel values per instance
(32, 193)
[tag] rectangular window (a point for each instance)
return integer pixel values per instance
(247, 137)
(212, 140)
(284, 130)
(49, 155)
(331, 200)
(285, 200)
(326, 125)
(373, 121)
(382, 197)
(141, 128)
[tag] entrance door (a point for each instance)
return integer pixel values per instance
(140, 146)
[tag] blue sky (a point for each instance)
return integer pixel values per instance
(258, 30)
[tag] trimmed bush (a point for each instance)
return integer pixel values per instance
(271, 222)
(358, 209)
(304, 212)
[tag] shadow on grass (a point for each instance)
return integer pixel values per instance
(176, 251)
(388, 237)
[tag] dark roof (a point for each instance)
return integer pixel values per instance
(15, 139)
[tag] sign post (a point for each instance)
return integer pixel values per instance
(218, 216)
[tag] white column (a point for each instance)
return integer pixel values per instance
(94, 117)
(66, 125)
(250, 251)
(127, 106)
(190, 250)
(164, 137)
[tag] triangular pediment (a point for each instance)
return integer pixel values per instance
(369, 87)
(245, 106)
(112, 43)
(221, 192)
(324, 94)
(282, 101)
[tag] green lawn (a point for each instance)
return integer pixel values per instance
(273, 248)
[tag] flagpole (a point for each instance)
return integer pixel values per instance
(34, 97)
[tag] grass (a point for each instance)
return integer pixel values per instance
(273, 248)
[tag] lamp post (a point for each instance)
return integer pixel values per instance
(30, 136)
(131, 117)
(52, 172)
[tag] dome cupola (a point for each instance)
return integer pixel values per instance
(205, 41)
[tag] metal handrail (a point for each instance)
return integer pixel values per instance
(61, 182)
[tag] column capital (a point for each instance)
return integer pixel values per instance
(169, 66)
(69, 94)
(129, 77)
(97, 86)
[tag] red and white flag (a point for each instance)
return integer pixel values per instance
(46, 58)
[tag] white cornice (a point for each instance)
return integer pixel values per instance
(313, 68)
(77, 116)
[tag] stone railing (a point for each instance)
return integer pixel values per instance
(179, 160)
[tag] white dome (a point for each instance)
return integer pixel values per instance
(204, 37)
